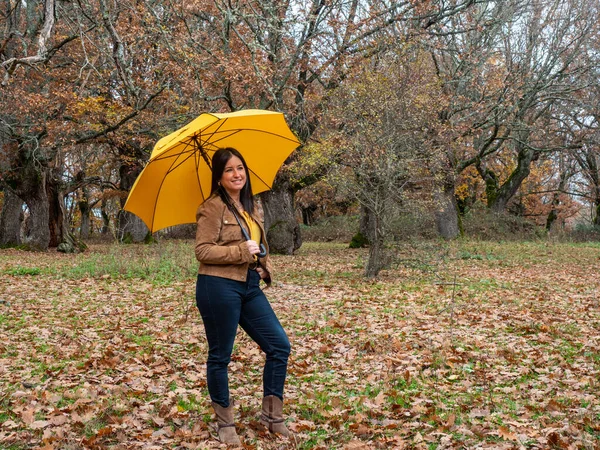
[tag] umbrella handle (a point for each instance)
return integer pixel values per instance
(263, 250)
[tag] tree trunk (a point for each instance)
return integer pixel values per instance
(446, 212)
(11, 218)
(378, 257)
(60, 235)
(553, 214)
(105, 218)
(367, 223)
(283, 231)
(84, 210)
(498, 201)
(596, 196)
(26, 178)
(308, 215)
(130, 227)
(56, 211)
(39, 215)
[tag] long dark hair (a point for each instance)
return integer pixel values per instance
(219, 161)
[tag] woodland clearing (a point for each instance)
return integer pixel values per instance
(466, 344)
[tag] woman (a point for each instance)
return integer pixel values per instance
(228, 292)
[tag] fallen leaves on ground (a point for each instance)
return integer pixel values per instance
(494, 351)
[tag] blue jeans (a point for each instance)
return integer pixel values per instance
(225, 303)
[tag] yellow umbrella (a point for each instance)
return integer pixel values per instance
(177, 178)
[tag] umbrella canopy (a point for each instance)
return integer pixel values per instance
(177, 178)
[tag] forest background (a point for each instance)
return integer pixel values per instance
(415, 116)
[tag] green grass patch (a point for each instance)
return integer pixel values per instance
(20, 271)
(161, 263)
(190, 404)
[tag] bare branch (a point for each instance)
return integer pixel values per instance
(124, 120)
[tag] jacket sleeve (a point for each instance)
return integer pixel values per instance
(208, 250)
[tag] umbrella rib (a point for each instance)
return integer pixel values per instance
(201, 150)
(221, 123)
(197, 161)
(197, 138)
(172, 168)
(239, 130)
(208, 141)
(163, 157)
(185, 150)
(256, 175)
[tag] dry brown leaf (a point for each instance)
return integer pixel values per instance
(356, 445)
(28, 416)
(479, 412)
(60, 419)
(39, 424)
(505, 433)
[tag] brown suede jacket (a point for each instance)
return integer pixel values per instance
(220, 246)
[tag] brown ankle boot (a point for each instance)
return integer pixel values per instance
(226, 427)
(272, 415)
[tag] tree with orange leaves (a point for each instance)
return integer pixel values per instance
(506, 77)
(84, 83)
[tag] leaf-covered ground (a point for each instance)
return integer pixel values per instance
(467, 345)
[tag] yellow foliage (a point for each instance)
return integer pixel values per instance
(469, 185)
(312, 158)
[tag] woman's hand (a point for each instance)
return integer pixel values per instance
(262, 272)
(253, 247)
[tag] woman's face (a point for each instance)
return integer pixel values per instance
(234, 176)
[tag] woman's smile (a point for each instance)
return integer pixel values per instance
(234, 176)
